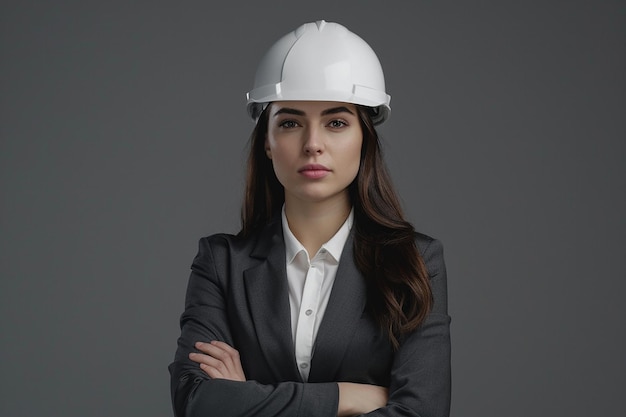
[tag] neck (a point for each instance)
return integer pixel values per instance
(313, 224)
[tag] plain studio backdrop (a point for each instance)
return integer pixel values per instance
(123, 139)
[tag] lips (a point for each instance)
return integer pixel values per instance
(314, 171)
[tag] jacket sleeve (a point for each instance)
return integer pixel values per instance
(420, 375)
(194, 393)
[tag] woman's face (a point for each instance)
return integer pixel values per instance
(315, 148)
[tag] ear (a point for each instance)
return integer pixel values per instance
(268, 151)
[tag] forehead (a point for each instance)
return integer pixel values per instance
(311, 107)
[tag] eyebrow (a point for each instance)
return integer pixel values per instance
(332, 110)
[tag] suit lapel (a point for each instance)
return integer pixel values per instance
(344, 310)
(268, 296)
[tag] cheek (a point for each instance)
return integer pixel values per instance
(280, 156)
(354, 158)
(282, 161)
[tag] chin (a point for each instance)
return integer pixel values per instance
(319, 197)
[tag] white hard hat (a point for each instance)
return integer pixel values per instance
(320, 61)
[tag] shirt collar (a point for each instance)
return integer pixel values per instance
(334, 247)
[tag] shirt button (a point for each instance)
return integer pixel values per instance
(304, 365)
(308, 312)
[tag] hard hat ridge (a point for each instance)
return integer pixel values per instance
(320, 61)
(320, 26)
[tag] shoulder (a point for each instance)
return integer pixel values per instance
(423, 241)
(431, 250)
(219, 253)
(224, 245)
(228, 246)
(221, 240)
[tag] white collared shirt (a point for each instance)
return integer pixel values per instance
(310, 283)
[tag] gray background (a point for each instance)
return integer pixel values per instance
(123, 135)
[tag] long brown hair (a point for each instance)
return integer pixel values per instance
(399, 294)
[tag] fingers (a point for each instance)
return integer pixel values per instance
(219, 360)
(213, 367)
(219, 350)
(224, 355)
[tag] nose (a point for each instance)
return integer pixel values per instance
(313, 143)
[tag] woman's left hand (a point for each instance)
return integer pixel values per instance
(219, 360)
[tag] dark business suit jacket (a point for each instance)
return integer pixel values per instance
(238, 294)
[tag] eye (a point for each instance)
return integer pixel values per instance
(288, 124)
(337, 124)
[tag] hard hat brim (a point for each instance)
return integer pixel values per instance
(259, 98)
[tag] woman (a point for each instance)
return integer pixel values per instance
(327, 302)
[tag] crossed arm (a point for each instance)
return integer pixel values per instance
(221, 361)
(211, 380)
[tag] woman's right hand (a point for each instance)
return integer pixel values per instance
(355, 399)
(219, 360)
